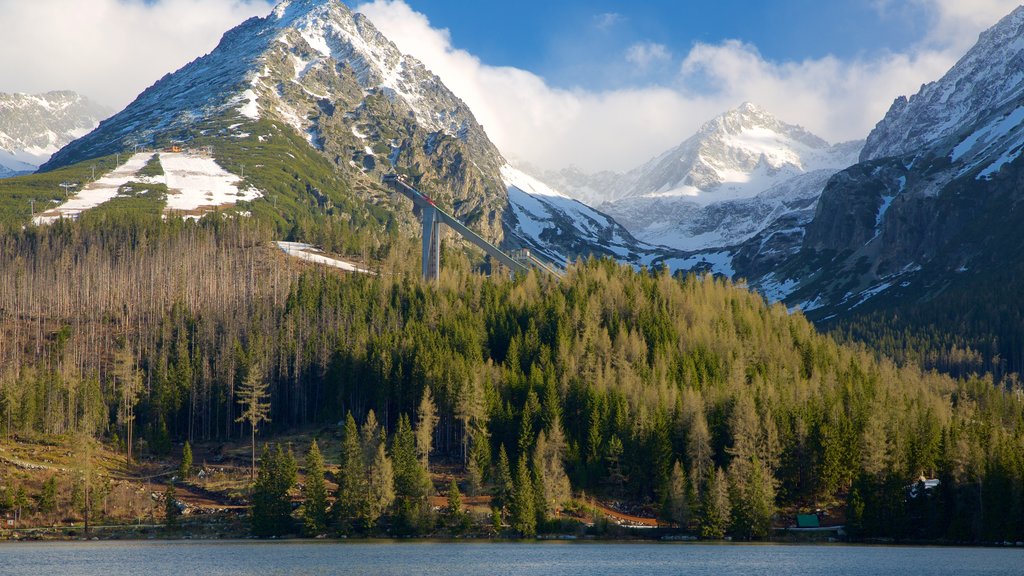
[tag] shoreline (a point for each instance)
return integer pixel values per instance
(158, 536)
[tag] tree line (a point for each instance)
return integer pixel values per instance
(685, 395)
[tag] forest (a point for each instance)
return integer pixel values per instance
(686, 395)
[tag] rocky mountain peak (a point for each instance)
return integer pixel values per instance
(988, 78)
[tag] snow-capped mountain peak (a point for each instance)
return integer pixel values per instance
(737, 175)
(987, 79)
(734, 156)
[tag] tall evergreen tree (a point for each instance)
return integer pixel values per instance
(48, 496)
(171, 510)
(252, 396)
(350, 498)
(678, 498)
(523, 509)
(458, 520)
(314, 509)
(426, 420)
(381, 487)
(717, 509)
(271, 505)
(412, 484)
(504, 486)
(185, 470)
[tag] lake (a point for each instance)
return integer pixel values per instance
(320, 558)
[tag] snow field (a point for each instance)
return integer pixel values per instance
(96, 193)
(198, 183)
(195, 185)
(311, 254)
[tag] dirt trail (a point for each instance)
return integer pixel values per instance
(622, 517)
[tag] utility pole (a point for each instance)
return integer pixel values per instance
(32, 207)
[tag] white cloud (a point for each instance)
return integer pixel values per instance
(607, 20)
(109, 50)
(643, 54)
(113, 49)
(531, 121)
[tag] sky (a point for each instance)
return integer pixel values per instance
(594, 84)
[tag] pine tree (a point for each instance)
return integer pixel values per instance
(717, 513)
(504, 486)
(426, 419)
(412, 484)
(555, 489)
(253, 395)
(615, 478)
(171, 510)
(457, 519)
(185, 470)
(752, 494)
(524, 514)
(678, 501)
(271, 506)
(381, 487)
(530, 412)
(314, 509)
(48, 496)
(350, 498)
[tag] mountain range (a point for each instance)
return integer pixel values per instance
(738, 175)
(825, 228)
(34, 126)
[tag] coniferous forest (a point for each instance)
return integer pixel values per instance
(685, 396)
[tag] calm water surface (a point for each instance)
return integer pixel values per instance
(446, 559)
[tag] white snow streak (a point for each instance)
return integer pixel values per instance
(311, 254)
(96, 193)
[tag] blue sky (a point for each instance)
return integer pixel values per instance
(595, 84)
(573, 42)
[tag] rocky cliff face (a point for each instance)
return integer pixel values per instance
(928, 201)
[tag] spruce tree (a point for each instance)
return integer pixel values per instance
(426, 420)
(678, 501)
(457, 518)
(48, 496)
(351, 494)
(171, 510)
(412, 484)
(185, 470)
(381, 487)
(524, 514)
(504, 486)
(314, 509)
(717, 513)
(271, 506)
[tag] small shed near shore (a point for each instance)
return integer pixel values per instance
(807, 521)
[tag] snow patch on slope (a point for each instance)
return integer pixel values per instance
(310, 254)
(96, 193)
(198, 183)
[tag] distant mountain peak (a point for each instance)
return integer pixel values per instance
(34, 126)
